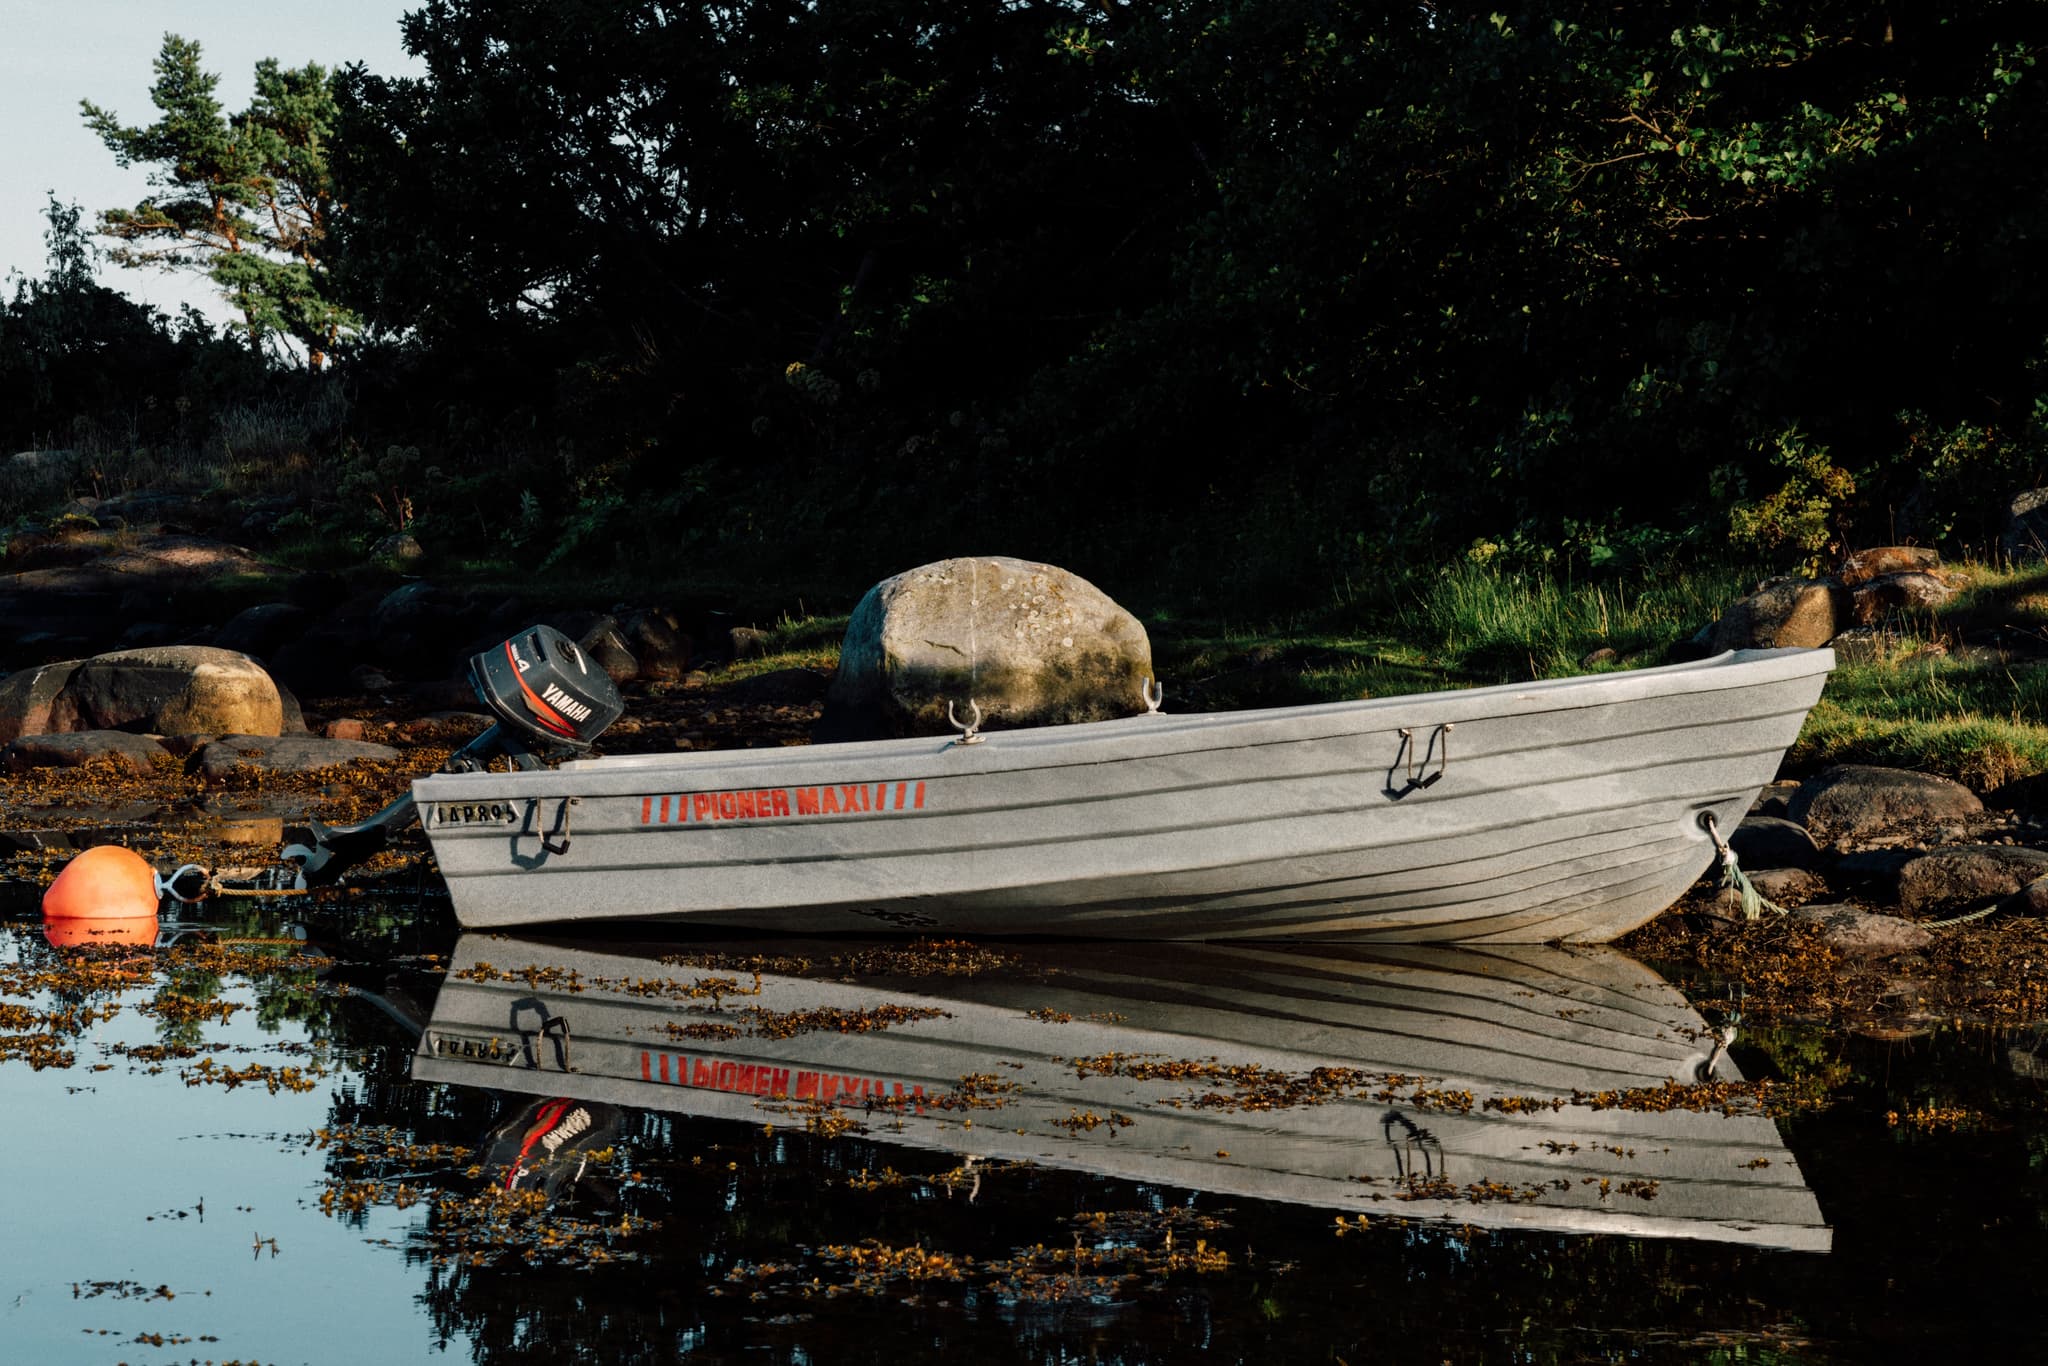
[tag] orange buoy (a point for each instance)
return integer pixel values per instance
(71, 931)
(103, 883)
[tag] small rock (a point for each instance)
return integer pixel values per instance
(658, 643)
(1865, 565)
(29, 700)
(1603, 655)
(1970, 872)
(137, 753)
(1892, 593)
(1772, 842)
(1854, 801)
(606, 644)
(2026, 526)
(2031, 899)
(294, 715)
(1861, 934)
(287, 754)
(344, 728)
(398, 551)
(1785, 612)
(1874, 871)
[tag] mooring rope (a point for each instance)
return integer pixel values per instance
(212, 885)
(1754, 903)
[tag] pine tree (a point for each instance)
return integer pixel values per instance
(245, 201)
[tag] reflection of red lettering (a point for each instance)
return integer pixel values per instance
(700, 1075)
(647, 1066)
(664, 1067)
(778, 1083)
(807, 1086)
(779, 802)
(726, 1072)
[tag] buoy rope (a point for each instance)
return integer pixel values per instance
(1962, 919)
(212, 885)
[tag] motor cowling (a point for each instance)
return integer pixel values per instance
(545, 689)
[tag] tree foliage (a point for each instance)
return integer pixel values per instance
(245, 200)
(1233, 292)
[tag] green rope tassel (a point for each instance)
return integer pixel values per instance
(1754, 903)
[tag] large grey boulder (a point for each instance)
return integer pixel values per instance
(1785, 612)
(174, 690)
(1855, 801)
(1030, 644)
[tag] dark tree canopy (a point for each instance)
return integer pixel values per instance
(1229, 292)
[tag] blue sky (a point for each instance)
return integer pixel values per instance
(54, 53)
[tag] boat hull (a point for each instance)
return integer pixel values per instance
(1567, 810)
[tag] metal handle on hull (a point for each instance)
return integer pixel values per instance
(970, 731)
(1414, 766)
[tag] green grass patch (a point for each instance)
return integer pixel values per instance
(1984, 724)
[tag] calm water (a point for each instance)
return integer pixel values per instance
(237, 1164)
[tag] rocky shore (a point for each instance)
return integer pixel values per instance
(153, 702)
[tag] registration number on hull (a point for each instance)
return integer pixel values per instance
(475, 813)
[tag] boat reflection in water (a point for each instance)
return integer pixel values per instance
(1475, 1086)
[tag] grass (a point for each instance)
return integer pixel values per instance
(1930, 702)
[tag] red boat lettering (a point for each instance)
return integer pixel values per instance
(778, 803)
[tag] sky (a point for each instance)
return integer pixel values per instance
(54, 53)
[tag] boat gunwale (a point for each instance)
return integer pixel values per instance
(1022, 749)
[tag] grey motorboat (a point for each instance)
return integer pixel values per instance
(1567, 810)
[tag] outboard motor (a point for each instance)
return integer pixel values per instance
(550, 698)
